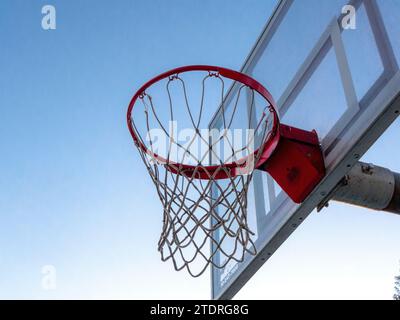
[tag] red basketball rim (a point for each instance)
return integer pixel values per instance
(214, 171)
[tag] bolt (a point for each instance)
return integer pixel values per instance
(367, 169)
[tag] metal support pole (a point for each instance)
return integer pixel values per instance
(368, 186)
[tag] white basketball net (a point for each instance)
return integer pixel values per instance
(204, 220)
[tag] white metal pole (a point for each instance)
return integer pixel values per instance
(370, 186)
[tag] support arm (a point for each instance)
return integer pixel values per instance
(369, 186)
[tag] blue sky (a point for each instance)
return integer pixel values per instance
(74, 193)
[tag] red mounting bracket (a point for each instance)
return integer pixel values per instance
(297, 164)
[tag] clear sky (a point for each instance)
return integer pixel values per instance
(74, 193)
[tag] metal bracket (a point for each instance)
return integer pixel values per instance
(297, 164)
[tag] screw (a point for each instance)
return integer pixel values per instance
(367, 169)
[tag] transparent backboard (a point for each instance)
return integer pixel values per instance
(332, 66)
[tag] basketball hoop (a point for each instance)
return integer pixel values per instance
(203, 190)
